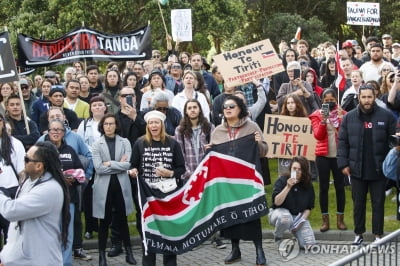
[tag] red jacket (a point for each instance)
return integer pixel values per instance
(321, 133)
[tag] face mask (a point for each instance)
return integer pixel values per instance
(332, 105)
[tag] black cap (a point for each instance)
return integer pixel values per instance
(57, 88)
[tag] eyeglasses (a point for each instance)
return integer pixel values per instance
(229, 106)
(125, 95)
(24, 87)
(28, 160)
(156, 56)
(386, 70)
(108, 124)
(162, 109)
(49, 77)
(56, 130)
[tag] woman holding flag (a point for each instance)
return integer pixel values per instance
(158, 159)
(237, 124)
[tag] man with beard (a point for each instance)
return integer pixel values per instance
(370, 68)
(363, 145)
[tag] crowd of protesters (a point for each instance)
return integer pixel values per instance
(101, 123)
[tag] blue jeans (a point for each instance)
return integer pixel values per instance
(67, 252)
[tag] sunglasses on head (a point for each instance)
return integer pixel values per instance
(229, 106)
(125, 95)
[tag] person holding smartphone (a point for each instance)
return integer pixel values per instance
(325, 124)
(298, 87)
(293, 199)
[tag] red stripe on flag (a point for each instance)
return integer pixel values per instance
(214, 168)
(340, 82)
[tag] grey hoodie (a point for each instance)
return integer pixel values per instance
(37, 241)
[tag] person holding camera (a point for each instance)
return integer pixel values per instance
(363, 145)
(325, 124)
(298, 87)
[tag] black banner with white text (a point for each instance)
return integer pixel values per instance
(84, 43)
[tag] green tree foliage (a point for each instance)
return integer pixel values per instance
(221, 24)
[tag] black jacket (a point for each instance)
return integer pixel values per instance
(351, 132)
(72, 118)
(19, 131)
(130, 129)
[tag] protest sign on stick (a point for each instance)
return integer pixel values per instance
(363, 13)
(257, 60)
(181, 23)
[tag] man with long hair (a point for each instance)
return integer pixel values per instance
(34, 218)
(193, 134)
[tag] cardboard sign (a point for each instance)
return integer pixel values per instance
(289, 136)
(181, 24)
(255, 61)
(8, 70)
(362, 13)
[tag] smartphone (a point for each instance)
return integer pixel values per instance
(293, 174)
(296, 73)
(325, 109)
(391, 77)
(129, 100)
(159, 165)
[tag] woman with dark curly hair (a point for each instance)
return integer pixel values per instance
(293, 199)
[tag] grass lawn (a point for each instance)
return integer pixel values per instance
(391, 224)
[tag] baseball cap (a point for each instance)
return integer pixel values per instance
(396, 44)
(23, 82)
(347, 43)
(293, 40)
(386, 36)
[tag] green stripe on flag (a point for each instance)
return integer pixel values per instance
(214, 196)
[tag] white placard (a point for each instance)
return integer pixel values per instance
(181, 23)
(363, 13)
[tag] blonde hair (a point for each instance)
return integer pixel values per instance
(163, 134)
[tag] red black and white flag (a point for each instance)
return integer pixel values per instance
(225, 190)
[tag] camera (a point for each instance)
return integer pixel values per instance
(394, 140)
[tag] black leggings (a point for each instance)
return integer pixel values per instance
(115, 200)
(325, 165)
